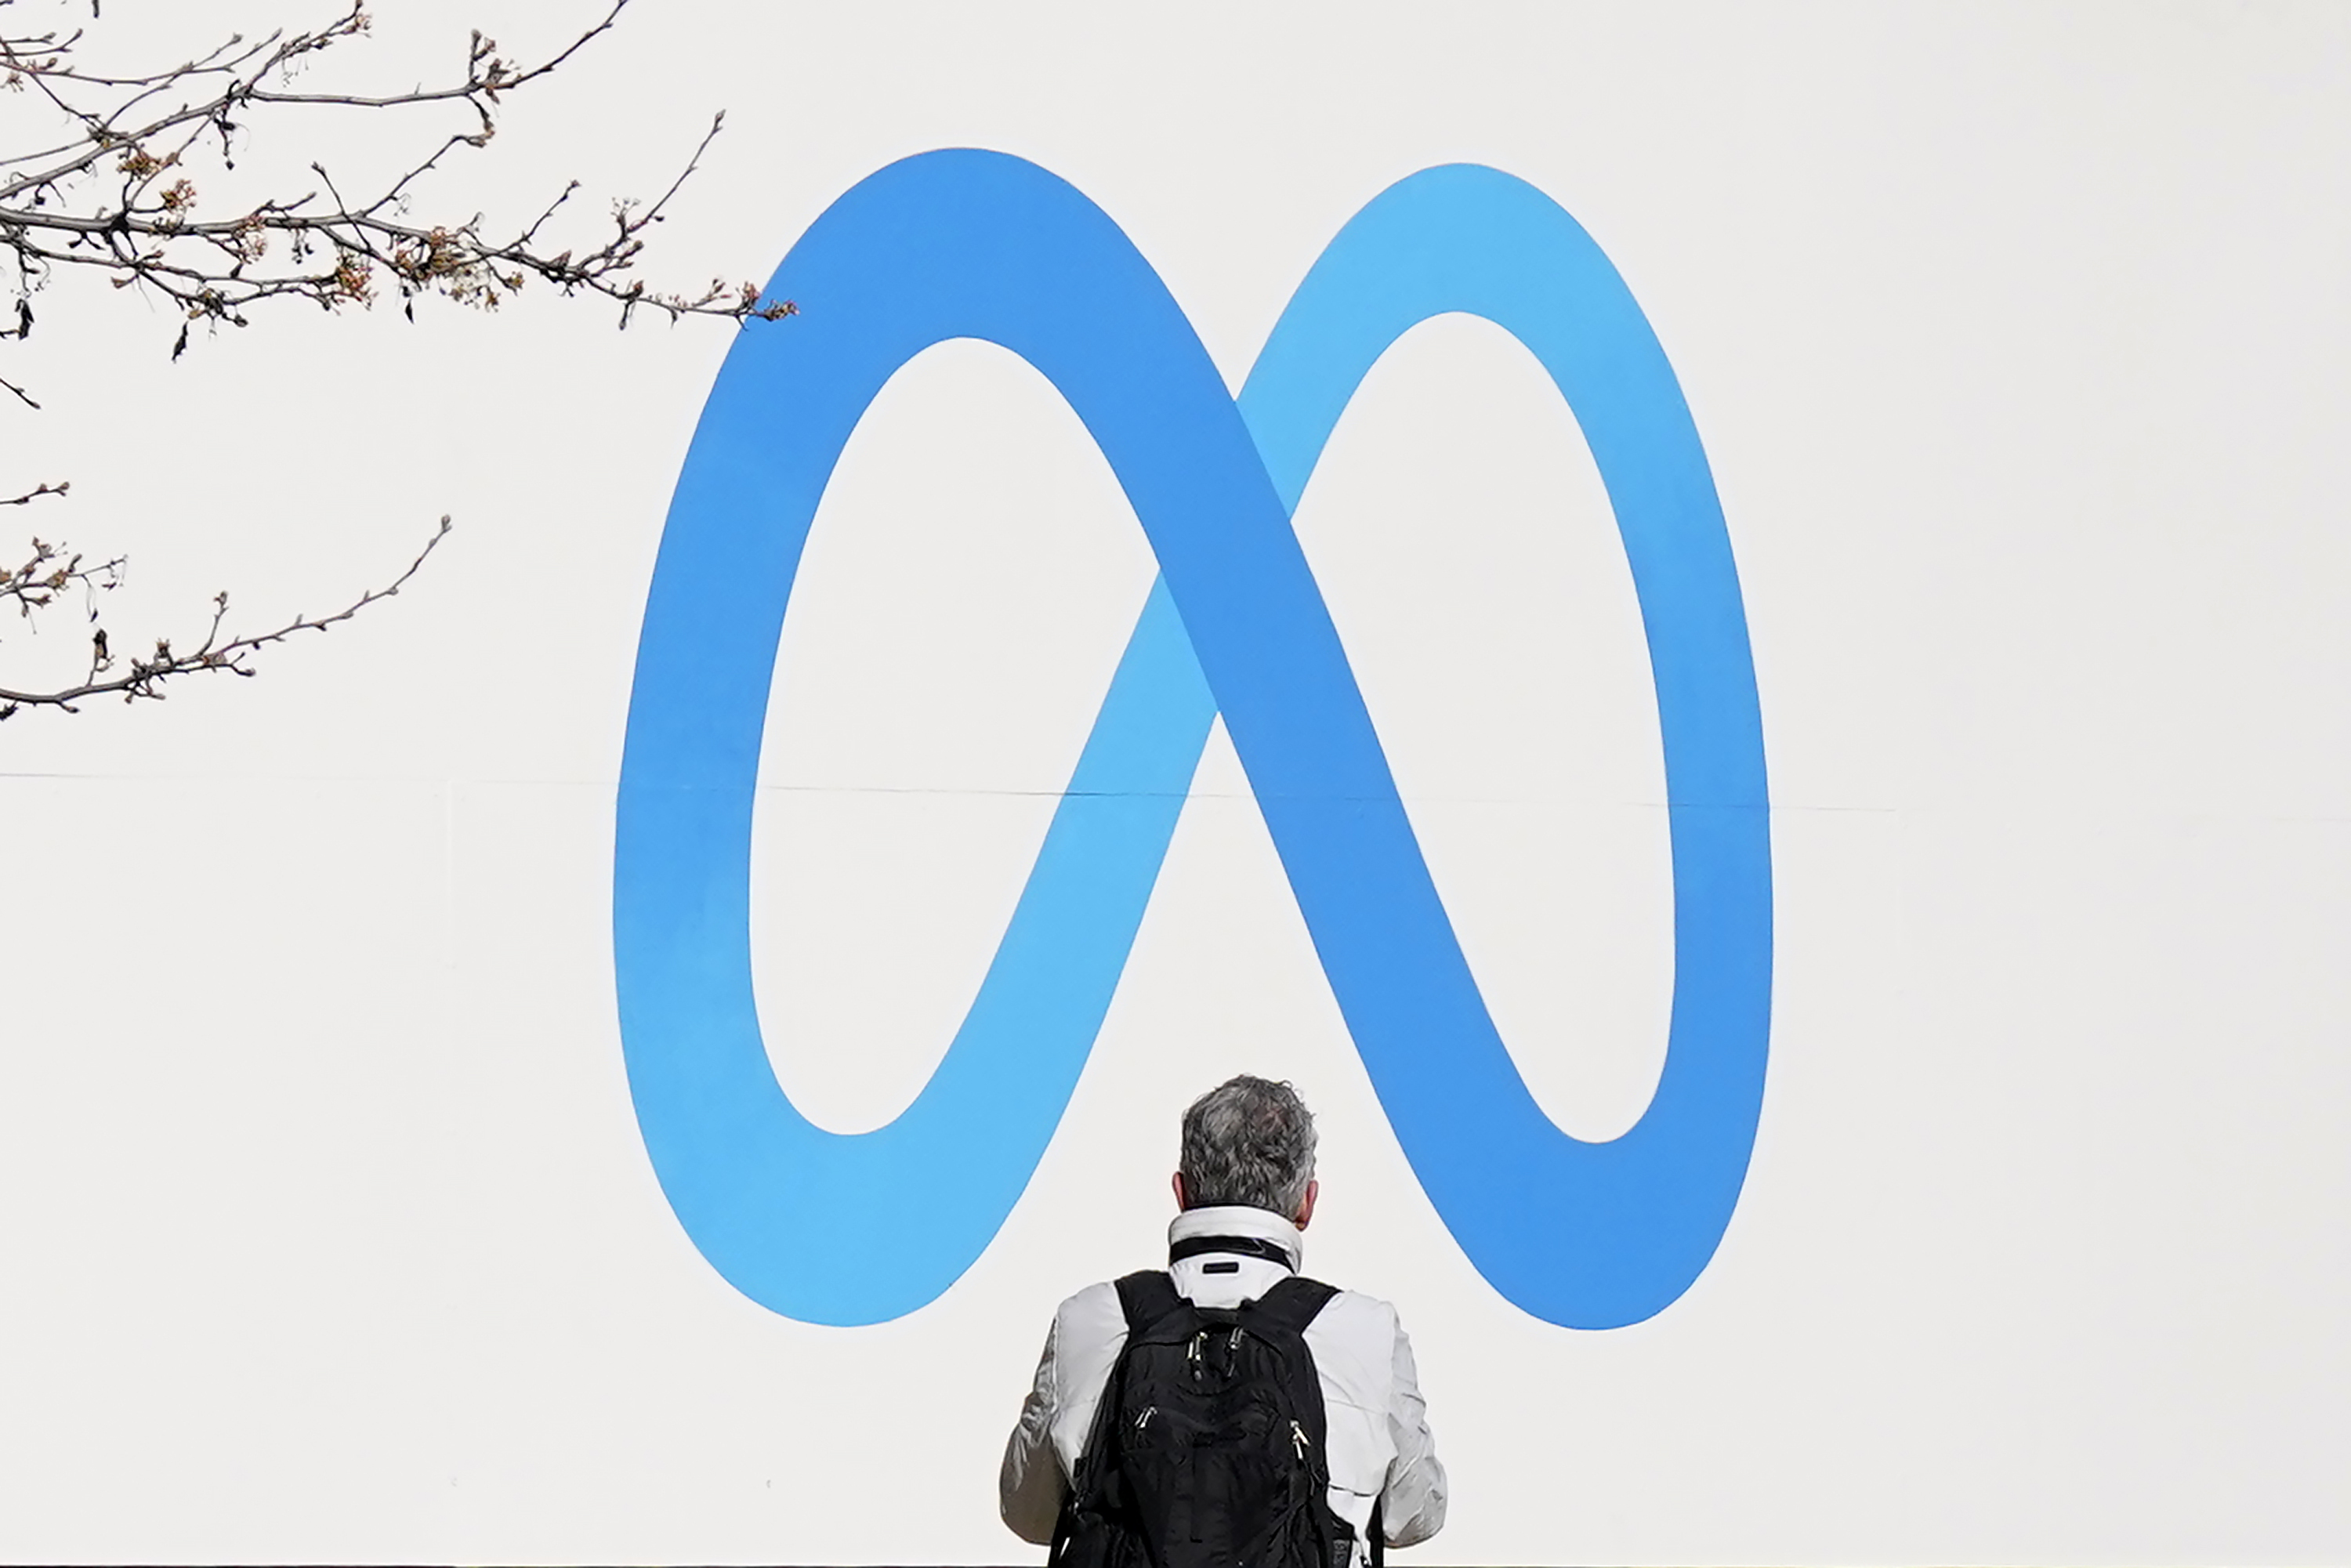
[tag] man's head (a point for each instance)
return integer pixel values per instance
(1249, 1142)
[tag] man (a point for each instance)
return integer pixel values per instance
(1245, 1190)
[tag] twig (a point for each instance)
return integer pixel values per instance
(145, 676)
(119, 195)
(114, 189)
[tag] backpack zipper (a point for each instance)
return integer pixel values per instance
(1297, 1440)
(1145, 1420)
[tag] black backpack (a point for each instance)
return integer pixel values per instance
(1206, 1449)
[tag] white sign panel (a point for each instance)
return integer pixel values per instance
(1720, 630)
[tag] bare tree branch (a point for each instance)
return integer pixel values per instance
(117, 194)
(114, 190)
(145, 676)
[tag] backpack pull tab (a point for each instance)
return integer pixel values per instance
(1144, 1419)
(1193, 1354)
(1297, 1440)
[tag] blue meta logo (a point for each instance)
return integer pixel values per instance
(859, 1229)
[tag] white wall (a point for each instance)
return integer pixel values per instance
(2019, 343)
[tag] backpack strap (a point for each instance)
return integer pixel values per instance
(1281, 1315)
(1146, 1297)
(1283, 1312)
(1293, 1303)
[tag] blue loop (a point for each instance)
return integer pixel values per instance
(858, 1228)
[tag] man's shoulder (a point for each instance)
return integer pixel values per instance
(1353, 1338)
(1355, 1313)
(1093, 1314)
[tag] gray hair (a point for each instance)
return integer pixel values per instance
(1248, 1141)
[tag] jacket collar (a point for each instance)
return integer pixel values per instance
(1239, 1220)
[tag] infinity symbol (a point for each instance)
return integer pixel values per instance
(858, 1228)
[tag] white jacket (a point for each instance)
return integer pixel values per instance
(1378, 1444)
